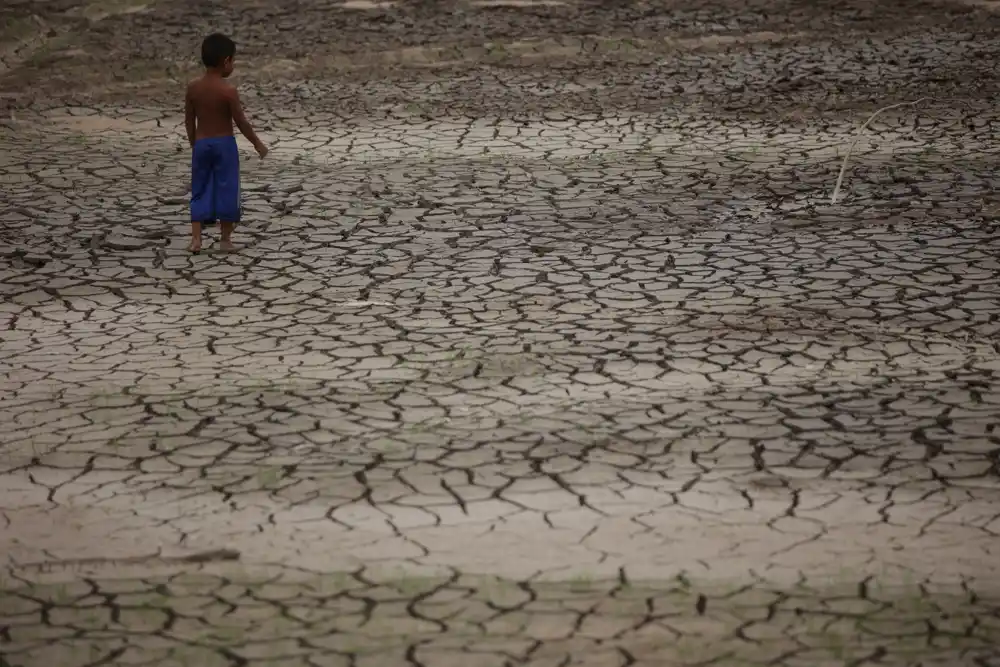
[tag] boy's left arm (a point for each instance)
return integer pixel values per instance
(189, 117)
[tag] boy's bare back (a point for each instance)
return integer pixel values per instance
(213, 101)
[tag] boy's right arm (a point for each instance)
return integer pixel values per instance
(240, 118)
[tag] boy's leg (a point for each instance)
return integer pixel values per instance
(226, 243)
(195, 244)
(202, 192)
(227, 179)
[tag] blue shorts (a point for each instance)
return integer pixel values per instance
(215, 180)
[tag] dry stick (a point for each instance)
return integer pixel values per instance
(843, 167)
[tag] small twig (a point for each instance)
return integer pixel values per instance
(857, 137)
(212, 555)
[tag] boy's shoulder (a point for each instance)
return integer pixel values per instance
(210, 84)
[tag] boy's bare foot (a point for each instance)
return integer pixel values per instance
(227, 246)
(194, 247)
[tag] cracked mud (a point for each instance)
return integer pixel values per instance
(544, 345)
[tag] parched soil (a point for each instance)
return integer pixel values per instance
(750, 57)
(545, 343)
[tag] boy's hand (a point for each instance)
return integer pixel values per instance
(262, 150)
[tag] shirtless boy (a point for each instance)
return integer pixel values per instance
(211, 107)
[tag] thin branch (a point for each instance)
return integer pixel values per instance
(857, 137)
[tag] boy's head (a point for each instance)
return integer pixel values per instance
(217, 52)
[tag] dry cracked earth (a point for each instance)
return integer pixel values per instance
(545, 344)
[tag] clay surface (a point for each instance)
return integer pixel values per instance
(543, 344)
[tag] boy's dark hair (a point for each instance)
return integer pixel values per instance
(216, 48)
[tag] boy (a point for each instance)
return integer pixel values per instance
(211, 107)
